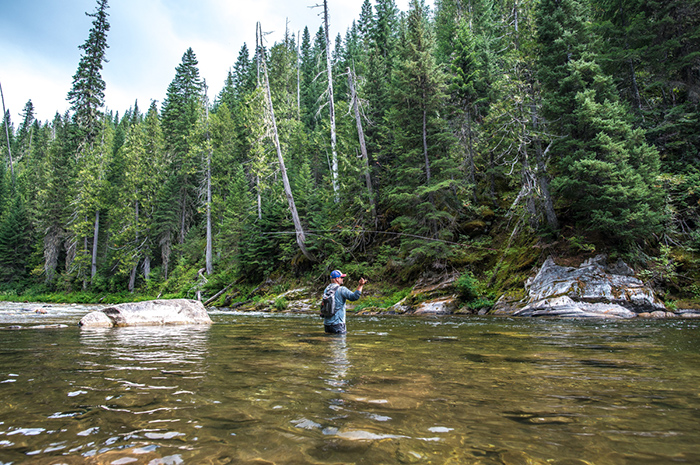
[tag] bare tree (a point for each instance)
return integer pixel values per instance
(331, 104)
(208, 148)
(300, 236)
(7, 134)
(354, 101)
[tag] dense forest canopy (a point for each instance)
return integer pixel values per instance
(436, 139)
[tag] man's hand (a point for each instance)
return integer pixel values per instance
(361, 283)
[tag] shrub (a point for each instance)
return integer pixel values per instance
(281, 304)
(467, 286)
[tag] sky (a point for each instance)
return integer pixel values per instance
(39, 42)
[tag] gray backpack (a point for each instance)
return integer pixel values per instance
(328, 308)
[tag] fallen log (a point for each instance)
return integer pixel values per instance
(217, 295)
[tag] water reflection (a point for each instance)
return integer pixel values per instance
(338, 362)
(169, 345)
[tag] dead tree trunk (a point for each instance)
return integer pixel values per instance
(299, 76)
(300, 236)
(331, 104)
(94, 248)
(363, 145)
(208, 252)
(7, 135)
(132, 276)
(542, 180)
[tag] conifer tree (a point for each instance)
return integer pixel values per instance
(422, 170)
(382, 42)
(181, 110)
(87, 99)
(4, 189)
(25, 132)
(87, 93)
(467, 90)
(606, 170)
(15, 242)
(53, 199)
(308, 75)
(652, 49)
(135, 204)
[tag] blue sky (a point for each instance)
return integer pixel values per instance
(39, 42)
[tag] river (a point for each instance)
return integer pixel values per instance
(273, 389)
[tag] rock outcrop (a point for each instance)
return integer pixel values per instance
(149, 313)
(595, 289)
(430, 296)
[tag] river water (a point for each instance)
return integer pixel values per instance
(273, 389)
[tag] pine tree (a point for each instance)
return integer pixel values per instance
(651, 48)
(89, 202)
(181, 110)
(87, 98)
(15, 242)
(53, 198)
(422, 170)
(25, 132)
(382, 42)
(87, 93)
(239, 81)
(467, 90)
(5, 189)
(606, 170)
(145, 167)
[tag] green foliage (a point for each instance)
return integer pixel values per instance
(662, 269)
(467, 286)
(473, 292)
(579, 243)
(607, 171)
(15, 242)
(384, 300)
(281, 304)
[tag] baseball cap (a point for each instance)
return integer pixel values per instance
(337, 274)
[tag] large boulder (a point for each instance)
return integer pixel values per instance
(149, 313)
(595, 289)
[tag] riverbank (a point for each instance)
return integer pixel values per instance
(446, 293)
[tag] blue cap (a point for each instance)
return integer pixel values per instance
(337, 274)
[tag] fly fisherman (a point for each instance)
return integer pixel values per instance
(337, 295)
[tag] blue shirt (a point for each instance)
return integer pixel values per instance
(342, 295)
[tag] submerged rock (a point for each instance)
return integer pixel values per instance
(149, 313)
(592, 290)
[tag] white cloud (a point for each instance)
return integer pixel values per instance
(45, 83)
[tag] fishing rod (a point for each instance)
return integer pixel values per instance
(321, 232)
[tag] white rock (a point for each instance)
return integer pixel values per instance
(149, 313)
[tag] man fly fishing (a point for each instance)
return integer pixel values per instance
(333, 304)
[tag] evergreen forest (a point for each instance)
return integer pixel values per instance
(471, 138)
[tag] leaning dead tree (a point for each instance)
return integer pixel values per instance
(354, 102)
(7, 135)
(299, 229)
